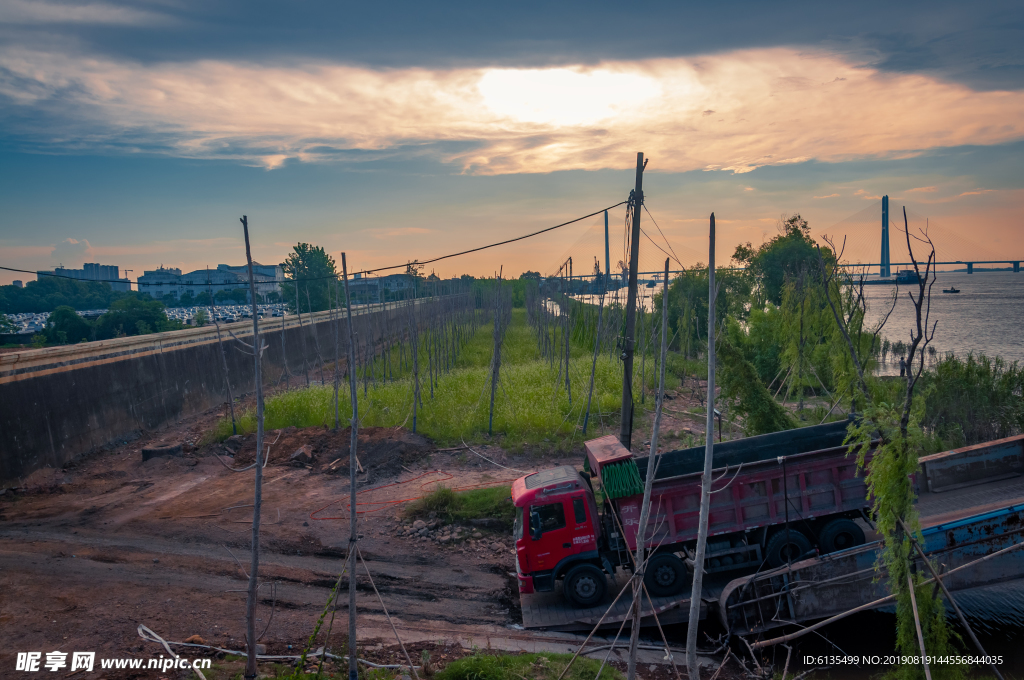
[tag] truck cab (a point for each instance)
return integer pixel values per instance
(557, 533)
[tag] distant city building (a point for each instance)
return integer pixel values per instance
(17, 284)
(161, 281)
(369, 289)
(92, 271)
(166, 280)
(268, 277)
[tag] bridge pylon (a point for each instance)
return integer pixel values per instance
(883, 267)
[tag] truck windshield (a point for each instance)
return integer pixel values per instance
(517, 527)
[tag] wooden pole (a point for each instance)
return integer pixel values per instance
(337, 352)
(353, 671)
(917, 624)
(224, 359)
(254, 563)
(415, 364)
(949, 596)
(305, 349)
(284, 354)
(568, 292)
(645, 508)
(705, 486)
(876, 603)
(593, 367)
(626, 421)
(496, 360)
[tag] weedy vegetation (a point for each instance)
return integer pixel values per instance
(453, 506)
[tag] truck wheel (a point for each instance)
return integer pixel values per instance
(840, 534)
(779, 550)
(584, 585)
(665, 575)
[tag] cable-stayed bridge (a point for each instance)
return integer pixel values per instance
(872, 241)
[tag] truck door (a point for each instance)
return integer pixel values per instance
(584, 537)
(555, 540)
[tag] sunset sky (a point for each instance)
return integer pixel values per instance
(136, 133)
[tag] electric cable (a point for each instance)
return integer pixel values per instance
(335, 276)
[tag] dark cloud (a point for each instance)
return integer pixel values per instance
(979, 44)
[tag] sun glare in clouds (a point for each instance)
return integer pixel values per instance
(733, 111)
(564, 97)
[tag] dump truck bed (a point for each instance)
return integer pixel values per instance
(749, 450)
(821, 478)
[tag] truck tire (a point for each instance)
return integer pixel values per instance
(665, 575)
(778, 549)
(840, 534)
(584, 585)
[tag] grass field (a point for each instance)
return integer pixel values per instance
(530, 408)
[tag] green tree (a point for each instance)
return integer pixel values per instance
(312, 272)
(131, 316)
(688, 305)
(6, 325)
(51, 292)
(784, 257)
(973, 400)
(65, 326)
(200, 319)
(740, 382)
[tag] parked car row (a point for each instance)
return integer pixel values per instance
(226, 313)
(35, 322)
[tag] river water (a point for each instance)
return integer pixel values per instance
(984, 317)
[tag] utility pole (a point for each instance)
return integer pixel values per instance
(636, 200)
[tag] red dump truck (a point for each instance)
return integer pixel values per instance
(562, 534)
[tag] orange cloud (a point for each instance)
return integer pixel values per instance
(769, 106)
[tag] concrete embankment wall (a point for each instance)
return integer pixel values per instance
(60, 402)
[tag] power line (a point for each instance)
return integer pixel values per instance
(674, 256)
(331, 276)
(653, 243)
(492, 245)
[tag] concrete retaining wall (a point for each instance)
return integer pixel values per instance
(59, 402)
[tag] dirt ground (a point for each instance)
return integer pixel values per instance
(90, 551)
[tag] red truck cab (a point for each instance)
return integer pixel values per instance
(788, 494)
(557, 530)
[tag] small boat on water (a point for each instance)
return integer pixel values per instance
(951, 289)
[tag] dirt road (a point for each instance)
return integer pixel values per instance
(88, 553)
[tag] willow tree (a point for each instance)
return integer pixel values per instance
(890, 429)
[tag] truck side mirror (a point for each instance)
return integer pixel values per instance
(535, 532)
